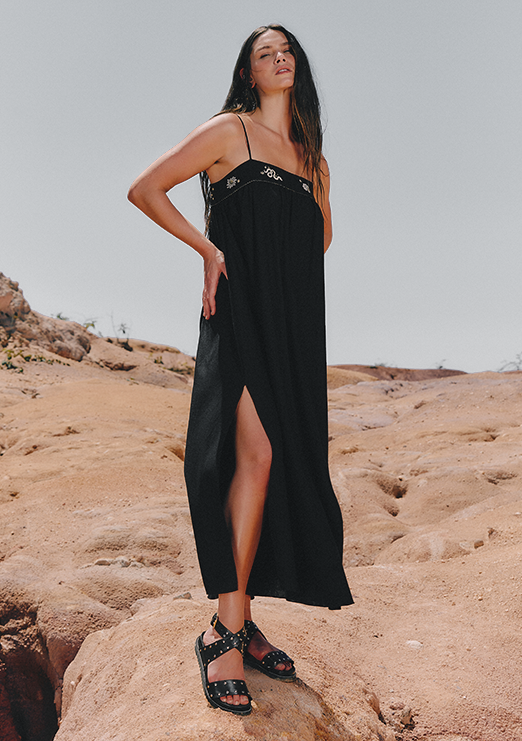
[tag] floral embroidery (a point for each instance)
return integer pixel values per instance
(305, 186)
(271, 173)
(232, 181)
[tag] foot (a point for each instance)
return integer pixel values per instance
(228, 666)
(259, 647)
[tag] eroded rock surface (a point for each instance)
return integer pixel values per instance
(22, 326)
(94, 524)
(142, 680)
(96, 547)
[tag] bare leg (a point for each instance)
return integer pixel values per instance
(244, 514)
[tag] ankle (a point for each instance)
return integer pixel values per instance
(230, 614)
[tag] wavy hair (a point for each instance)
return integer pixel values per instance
(306, 126)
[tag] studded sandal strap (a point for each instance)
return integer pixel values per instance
(272, 659)
(227, 642)
(250, 630)
(225, 687)
(222, 629)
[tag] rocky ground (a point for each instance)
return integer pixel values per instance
(100, 594)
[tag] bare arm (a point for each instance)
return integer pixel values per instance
(205, 146)
(324, 203)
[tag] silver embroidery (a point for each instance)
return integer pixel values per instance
(232, 181)
(305, 186)
(271, 173)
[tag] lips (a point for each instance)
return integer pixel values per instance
(283, 69)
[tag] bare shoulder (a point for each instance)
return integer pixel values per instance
(226, 130)
(222, 125)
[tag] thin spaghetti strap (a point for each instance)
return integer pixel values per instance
(246, 136)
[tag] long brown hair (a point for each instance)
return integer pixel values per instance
(306, 110)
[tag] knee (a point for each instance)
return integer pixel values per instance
(257, 461)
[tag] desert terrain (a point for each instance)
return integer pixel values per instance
(100, 594)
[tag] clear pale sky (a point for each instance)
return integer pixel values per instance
(423, 113)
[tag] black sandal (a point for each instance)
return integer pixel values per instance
(268, 663)
(215, 690)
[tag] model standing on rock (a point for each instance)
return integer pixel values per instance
(265, 517)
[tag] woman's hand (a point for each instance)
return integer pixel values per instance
(214, 265)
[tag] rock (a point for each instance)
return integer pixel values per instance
(404, 374)
(401, 718)
(373, 700)
(414, 644)
(64, 338)
(12, 302)
(92, 474)
(338, 377)
(42, 627)
(22, 326)
(142, 675)
(141, 361)
(368, 500)
(426, 502)
(7, 727)
(406, 717)
(64, 620)
(348, 419)
(417, 547)
(497, 475)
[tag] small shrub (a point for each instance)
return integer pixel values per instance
(515, 364)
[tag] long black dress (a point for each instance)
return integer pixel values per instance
(268, 335)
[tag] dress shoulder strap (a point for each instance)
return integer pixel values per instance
(246, 136)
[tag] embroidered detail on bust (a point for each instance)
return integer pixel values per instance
(271, 173)
(305, 186)
(232, 181)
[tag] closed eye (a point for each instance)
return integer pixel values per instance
(284, 51)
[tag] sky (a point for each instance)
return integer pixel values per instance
(423, 119)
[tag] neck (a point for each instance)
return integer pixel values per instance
(274, 112)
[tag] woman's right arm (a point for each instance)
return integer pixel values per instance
(205, 146)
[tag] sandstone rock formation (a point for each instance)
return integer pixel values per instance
(148, 663)
(388, 373)
(21, 326)
(100, 593)
(94, 531)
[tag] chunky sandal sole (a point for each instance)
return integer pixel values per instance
(245, 709)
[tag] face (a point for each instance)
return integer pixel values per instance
(272, 62)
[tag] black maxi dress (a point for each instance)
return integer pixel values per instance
(268, 335)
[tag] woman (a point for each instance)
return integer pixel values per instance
(265, 517)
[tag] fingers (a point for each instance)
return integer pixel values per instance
(213, 272)
(209, 301)
(212, 303)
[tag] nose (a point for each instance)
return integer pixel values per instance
(280, 57)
